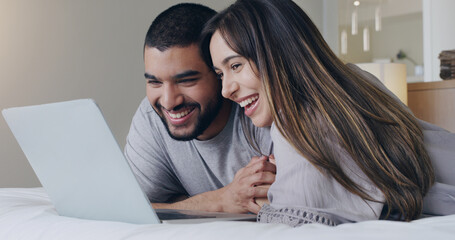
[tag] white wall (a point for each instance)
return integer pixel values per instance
(330, 24)
(56, 50)
(439, 34)
(404, 32)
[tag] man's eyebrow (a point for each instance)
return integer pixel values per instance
(185, 74)
(148, 76)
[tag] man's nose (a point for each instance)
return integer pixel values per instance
(171, 96)
(229, 87)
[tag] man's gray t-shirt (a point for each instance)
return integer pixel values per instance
(166, 168)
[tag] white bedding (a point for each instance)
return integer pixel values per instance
(27, 213)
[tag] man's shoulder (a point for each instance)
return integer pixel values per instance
(146, 124)
(145, 106)
(145, 113)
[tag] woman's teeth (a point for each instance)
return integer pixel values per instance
(248, 101)
(179, 115)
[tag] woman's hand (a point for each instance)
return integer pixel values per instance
(248, 191)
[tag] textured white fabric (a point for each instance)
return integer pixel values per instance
(28, 214)
(295, 217)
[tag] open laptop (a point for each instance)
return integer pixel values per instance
(77, 160)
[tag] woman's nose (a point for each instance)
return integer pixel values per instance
(230, 86)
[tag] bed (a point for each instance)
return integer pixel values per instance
(27, 213)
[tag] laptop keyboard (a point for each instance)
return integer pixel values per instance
(178, 215)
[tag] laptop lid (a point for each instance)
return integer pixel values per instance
(78, 162)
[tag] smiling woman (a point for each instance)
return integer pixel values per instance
(342, 142)
(241, 81)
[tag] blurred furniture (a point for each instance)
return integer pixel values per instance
(392, 75)
(434, 102)
(447, 64)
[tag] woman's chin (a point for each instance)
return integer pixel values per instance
(261, 122)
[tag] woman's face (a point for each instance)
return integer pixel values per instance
(240, 81)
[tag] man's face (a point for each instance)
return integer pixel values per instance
(182, 90)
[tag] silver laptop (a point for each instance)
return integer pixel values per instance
(77, 160)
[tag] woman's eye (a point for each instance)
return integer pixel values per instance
(219, 76)
(235, 66)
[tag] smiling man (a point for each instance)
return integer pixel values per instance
(187, 144)
(183, 92)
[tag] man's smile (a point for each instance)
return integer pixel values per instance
(178, 118)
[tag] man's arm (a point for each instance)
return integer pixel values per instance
(238, 196)
(144, 151)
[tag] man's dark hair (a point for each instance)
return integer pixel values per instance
(179, 25)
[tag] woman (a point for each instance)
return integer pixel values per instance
(345, 149)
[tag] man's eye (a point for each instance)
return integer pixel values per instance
(153, 82)
(187, 81)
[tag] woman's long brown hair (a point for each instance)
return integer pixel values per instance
(315, 99)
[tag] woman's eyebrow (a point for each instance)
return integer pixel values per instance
(226, 60)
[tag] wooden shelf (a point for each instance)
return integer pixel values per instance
(431, 85)
(434, 102)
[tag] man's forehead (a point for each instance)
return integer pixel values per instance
(191, 51)
(173, 61)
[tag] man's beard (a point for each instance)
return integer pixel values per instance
(203, 120)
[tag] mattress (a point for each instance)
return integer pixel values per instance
(27, 213)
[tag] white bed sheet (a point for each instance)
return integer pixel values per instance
(27, 213)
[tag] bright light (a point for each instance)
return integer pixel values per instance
(356, 3)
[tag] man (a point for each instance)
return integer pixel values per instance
(186, 144)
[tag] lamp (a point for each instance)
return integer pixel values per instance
(418, 69)
(366, 39)
(344, 42)
(378, 19)
(355, 18)
(392, 75)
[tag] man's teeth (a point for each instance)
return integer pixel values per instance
(248, 101)
(179, 115)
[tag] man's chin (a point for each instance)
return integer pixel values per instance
(182, 134)
(182, 137)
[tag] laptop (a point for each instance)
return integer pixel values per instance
(82, 168)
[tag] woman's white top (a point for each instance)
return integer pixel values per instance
(299, 184)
